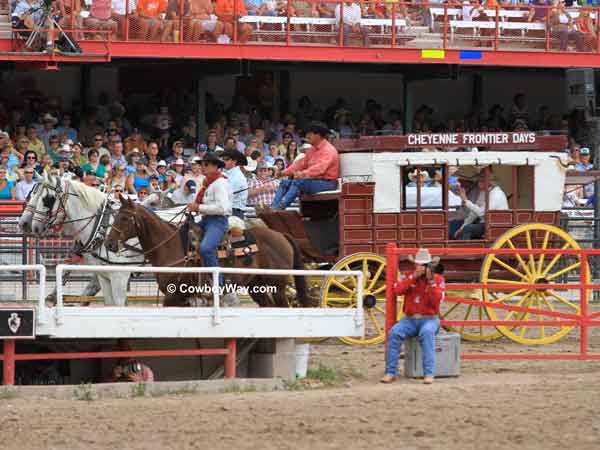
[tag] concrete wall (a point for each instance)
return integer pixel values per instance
(103, 79)
(324, 87)
(63, 84)
(448, 98)
(540, 87)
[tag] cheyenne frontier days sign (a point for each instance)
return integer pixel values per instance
(472, 139)
(517, 140)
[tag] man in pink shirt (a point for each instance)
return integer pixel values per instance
(318, 171)
(100, 19)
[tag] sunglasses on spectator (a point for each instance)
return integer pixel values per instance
(96, 184)
(32, 157)
(98, 139)
(118, 190)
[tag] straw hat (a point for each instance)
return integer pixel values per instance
(412, 176)
(423, 257)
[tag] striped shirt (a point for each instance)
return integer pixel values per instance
(262, 198)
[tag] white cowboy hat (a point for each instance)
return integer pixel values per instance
(423, 257)
(49, 118)
(412, 176)
(252, 164)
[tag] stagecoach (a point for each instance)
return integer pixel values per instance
(376, 204)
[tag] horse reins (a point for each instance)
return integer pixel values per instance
(134, 218)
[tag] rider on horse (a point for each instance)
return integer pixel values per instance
(213, 202)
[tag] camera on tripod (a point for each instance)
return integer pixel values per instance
(45, 25)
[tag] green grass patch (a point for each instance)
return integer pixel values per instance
(7, 394)
(85, 391)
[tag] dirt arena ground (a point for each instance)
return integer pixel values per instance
(492, 405)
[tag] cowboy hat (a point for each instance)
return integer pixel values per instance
(212, 158)
(49, 118)
(236, 156)
(491, 179)
(251, 165)
(318, 128)
(412, 176)
(423, 257)
(341, 112)
(263, 165)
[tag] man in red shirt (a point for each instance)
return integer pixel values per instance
(423, 292)
(318, 171)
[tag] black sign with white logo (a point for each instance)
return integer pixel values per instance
(17, 323)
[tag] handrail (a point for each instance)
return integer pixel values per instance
(390, 27)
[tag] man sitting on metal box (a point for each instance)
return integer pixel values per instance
(423, 291)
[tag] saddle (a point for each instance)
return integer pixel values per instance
(237, 242)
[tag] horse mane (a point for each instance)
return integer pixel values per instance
(89, 196)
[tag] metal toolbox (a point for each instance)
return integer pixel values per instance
(447, 356)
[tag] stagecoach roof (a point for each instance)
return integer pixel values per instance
(383, 170)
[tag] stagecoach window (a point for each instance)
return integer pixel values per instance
(429, 192)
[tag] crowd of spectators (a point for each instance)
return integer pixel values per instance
(160, 151)
(214, 21)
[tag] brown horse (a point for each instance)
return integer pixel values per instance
(163, 246)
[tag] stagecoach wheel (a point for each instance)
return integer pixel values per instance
(539, 269)
(342, 292)
(458, 311)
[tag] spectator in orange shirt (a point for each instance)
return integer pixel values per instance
(224, 9)
(153, 23)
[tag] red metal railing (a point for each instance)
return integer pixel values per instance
(11, 208)
(10, 356)
(582, 319)
(420, 25)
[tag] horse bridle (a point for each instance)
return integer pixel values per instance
(47, 218)
(133, 218)
(50, 220)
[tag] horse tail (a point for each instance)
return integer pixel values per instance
(299, 281)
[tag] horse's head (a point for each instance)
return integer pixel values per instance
(125, 225)
(28, 211)
(46, 205)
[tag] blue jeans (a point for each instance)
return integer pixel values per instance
(213, 228)
(289, 190)
(471, 231)
(425, 329)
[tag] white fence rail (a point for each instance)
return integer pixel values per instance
(41, 294)
(201, 322)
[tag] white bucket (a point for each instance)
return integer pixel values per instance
(302, 352)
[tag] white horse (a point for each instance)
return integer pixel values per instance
(85, 214)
